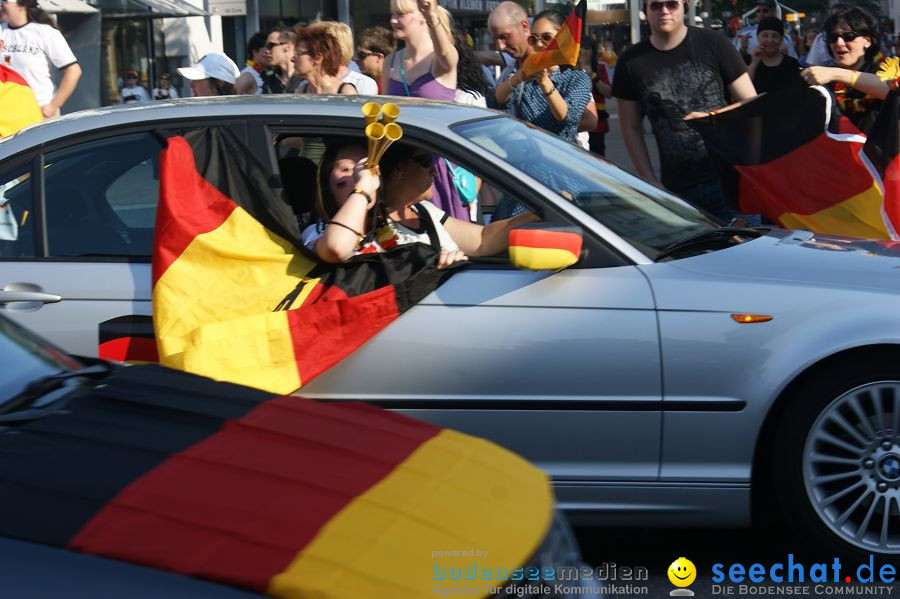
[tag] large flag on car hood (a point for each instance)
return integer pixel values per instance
(565, 46)
(790, 156)
(19, 106)
(283, 495)
(235, 296)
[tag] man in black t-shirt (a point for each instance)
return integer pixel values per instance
(677, 71)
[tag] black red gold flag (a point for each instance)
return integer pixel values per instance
(790, 156)
(883, 151)
(565, 46)
(237, 298)
(20, 108)
(281, 495)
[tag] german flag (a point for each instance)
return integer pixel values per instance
(281, 495)
(539, 247)
(790, 156)
(565, 46)
(128, 339)
(236, 297)
(20, 108)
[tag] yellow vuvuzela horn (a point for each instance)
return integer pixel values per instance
(375, 133)
(371, 110)
(392, 132)
(391, 111)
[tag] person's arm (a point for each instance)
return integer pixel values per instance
(445, 55)
(505, 88)
(343, 232)
(489, 58)
(589, 117)
(245, 84)
(632, 126)
(554, 97)
(742, 88)
(476, 240)
(70, 78)
(603, 88)
(867, 83)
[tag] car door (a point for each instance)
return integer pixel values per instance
(562, 368)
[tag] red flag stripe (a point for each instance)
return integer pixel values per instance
(535, 238)
(194, 207)
(760, 184)
(129, 348)
(281, 472)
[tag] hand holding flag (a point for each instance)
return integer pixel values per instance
(564, 48)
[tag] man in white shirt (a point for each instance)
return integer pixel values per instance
(133, 91)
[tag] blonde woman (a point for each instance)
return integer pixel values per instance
(425, 68)
(364, 84)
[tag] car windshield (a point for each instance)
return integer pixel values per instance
(647, 217)
(25, 359)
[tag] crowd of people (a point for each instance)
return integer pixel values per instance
(679, 72)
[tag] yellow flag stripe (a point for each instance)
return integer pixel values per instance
(859, 216)
(20, 109)
(240, 268)
(451, 494)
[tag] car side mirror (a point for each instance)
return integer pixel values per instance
(545, 246)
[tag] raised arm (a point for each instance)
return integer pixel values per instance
(445, 55)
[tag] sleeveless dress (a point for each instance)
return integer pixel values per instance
(426, 86)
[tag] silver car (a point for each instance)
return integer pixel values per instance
(681, 373)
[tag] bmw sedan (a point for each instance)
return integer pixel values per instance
(681, 373)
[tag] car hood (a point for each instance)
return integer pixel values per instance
(781, 259)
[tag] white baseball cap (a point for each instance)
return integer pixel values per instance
(214, 64)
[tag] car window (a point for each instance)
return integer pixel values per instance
(16, 219)
(648, 217)
(100, 196)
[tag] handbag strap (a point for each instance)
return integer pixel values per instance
(425, 217)
(403, 74)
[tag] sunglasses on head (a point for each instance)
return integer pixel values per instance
(545, 37)
(671, 5)
(270, 45)
(423, 160)
(847, 36)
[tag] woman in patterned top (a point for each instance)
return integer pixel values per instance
(852, 39)
(347, 195)
(553, 99)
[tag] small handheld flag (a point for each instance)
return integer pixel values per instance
(565, 46)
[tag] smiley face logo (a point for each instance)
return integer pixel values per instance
(682, 572)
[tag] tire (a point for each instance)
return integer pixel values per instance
(835, 460)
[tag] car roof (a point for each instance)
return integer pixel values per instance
(429, 114)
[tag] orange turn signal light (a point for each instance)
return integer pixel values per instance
(750, 318)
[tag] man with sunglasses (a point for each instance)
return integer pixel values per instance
(678, 70)
(281, 80)
(375, 43)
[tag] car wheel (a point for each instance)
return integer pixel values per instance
(836, 460)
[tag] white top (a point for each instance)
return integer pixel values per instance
(169, 93)
(257, 78)
(365, 85)
(469, 98)
(392, 234)
(30, 50)
(132, 94)
(818, 53)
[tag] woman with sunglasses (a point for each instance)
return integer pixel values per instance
(318, 60)
(852, 42)
(29, 44)
(553, 99)
(347, 196)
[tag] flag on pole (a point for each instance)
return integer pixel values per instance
(565, 46)
(790, 156)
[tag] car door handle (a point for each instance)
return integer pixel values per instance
(28, 296)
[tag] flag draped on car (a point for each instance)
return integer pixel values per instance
(565, 46)
(235, 295)
(20, 108)
(283, 495)
(790, 156)
(883, 151)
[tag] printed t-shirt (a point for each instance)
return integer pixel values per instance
(30, 50)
